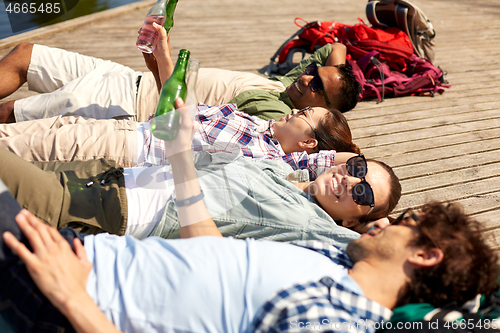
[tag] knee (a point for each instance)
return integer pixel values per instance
(23, 48)
(7, 113)
(19, 58)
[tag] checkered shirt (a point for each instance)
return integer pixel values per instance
(322, 306)
(224, 129)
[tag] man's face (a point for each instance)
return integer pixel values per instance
(302, 95)
(298, 127)
(333, 191)
(384, 241)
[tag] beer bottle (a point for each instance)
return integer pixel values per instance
(166, 124)
(169, 20)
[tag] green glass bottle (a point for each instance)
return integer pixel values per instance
(166, 124)
(169, 20)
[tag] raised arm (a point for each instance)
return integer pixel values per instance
(194, 218)
(159, 62)
(327, 55)
(60, 274)
(162, 54)
(338, 55)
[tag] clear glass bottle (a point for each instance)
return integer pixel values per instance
(148, 38)
(191, 97)
(166, 122)
(163, 14)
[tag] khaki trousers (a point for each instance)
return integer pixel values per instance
(72, 138)
(58, 194)
(214, 86)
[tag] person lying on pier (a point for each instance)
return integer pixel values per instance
(246, 197)
(74, 84)
(306, 139)
(118, 283)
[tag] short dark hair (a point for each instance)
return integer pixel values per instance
(380, 211)
(469, 266)
(348, 95)
(333, 133)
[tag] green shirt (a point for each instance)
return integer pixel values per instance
(251, 198)
(272, 104)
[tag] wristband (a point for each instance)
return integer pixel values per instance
(189, 201)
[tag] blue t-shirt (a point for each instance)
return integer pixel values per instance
(203, 284)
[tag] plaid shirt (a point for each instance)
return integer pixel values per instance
(323, 306)
(225, 129)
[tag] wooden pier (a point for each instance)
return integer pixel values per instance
(445, 148)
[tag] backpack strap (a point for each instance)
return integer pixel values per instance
(371, 15)
(377, 64)
(272, 64)
(402, 17)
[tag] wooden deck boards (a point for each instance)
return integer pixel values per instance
(445, 148)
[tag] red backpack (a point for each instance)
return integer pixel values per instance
(378, 80)
(394, 45)
(383, 60)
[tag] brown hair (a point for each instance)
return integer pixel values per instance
(469, 266)
(380, 211)
(333, 133)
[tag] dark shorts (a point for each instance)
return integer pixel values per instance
(59, 192)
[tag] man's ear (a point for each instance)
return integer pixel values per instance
(426, 257)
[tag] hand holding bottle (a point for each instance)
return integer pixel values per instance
(161, 53)
(182, 143)
(166, 121)
(163, 48)
(161, 13)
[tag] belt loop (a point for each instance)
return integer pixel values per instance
(139, 77)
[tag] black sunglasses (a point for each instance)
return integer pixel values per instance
(362, 192)
(404, 215)
(408, 213)
(316, 83)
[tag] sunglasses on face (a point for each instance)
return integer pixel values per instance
(316, 83)
(403, 220)
(408, 213)
(306, 112)
(362, 192)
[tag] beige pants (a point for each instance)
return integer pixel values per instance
(214, 87)
(74, 84)
(218, 86)
(72, 138)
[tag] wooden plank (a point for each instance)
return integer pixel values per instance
(424, 144)
(440, 180)
(440, 105)
(436, 163)
(484, 193)
(425, 123)
(424, 133)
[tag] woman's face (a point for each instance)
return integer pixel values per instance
(295, 132)
(333, 191)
